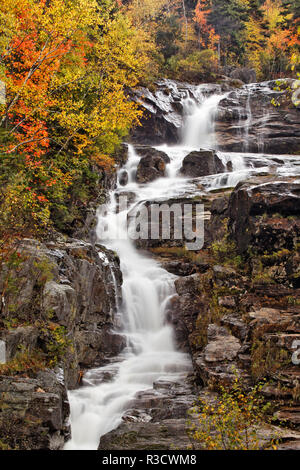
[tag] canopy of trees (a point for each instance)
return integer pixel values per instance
(66, 65)
(263, 34)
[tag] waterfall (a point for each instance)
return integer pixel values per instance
(150, 355)
(198, 130)
(248, 120)
(131, 165)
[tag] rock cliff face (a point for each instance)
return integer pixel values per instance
(239, 315)
(236, 312)
(259, 118)
(163, 117)
(265, 215)
(248, 118)
(58, 302)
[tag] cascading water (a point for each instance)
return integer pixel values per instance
(248, 121)
(150, 355)
(198, 130)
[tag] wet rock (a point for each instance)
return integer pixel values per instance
(150, 152)
(248, 121)
(163, 116)
(156, 418)
(123, 178)
(152, 165)
(202, 163)
(130, 196)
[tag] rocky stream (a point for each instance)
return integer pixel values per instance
(154, 326)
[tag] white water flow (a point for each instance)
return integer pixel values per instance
(198, 131)
(150, 355)
(97, 407)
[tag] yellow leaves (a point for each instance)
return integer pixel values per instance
(67, 94)
(230, 421)
(273, 13)
(270, 40)
(141, 11)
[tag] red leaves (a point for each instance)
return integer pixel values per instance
(207, 35)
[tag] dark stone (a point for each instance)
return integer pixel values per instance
(248, 121)
(202, 163)
(152, 165)
(123, 178)
(258, 215)
(179, 268)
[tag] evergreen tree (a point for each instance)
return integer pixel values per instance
(228, 20)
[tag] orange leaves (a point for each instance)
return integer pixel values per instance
(67, 67)
(207, 35)
(104, 162)
(272, 40)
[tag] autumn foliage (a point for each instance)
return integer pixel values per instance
(66, 66)
(206, 33)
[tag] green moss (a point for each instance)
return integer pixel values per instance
(267, 358)
(4, 446)
(24, 361)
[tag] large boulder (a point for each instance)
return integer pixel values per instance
(245, 74)
(152, 164)
(202, 163)
(34, 412)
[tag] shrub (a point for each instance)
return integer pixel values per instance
(232, 421)
(196, 66)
